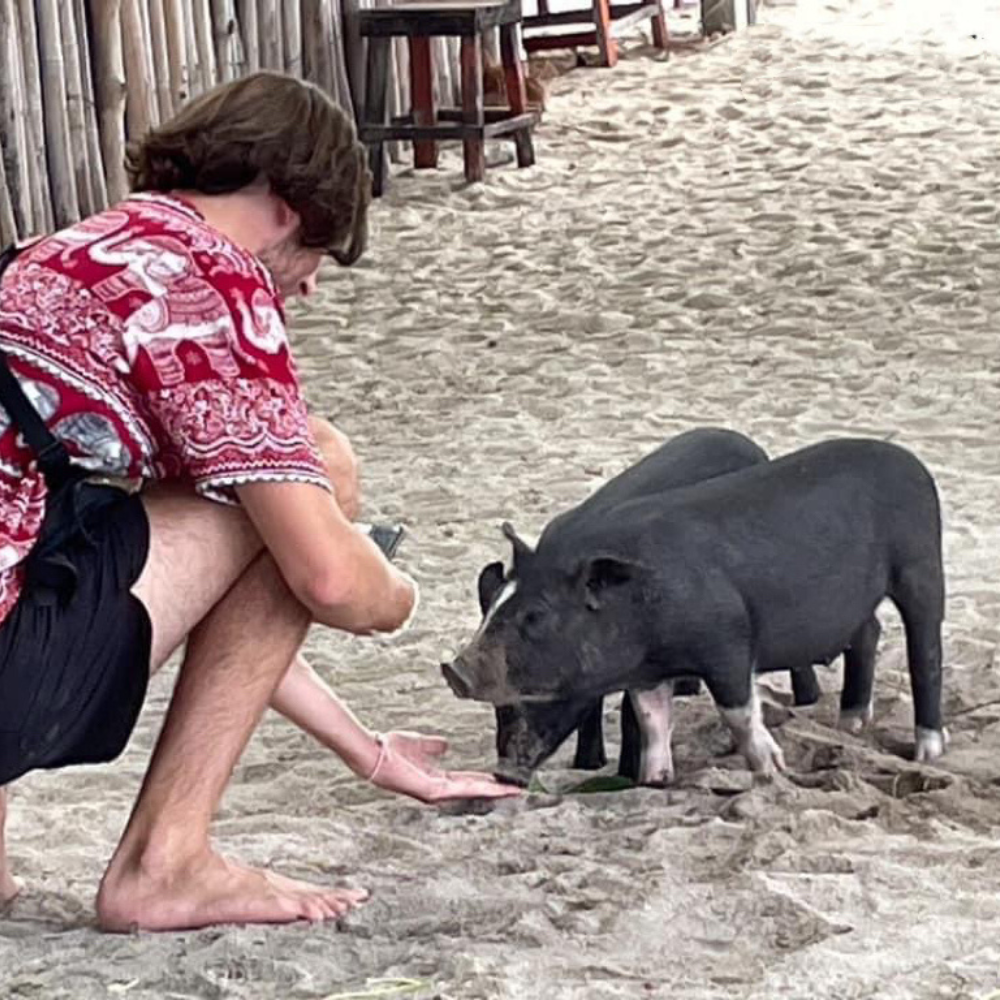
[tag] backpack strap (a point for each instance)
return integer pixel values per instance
(52, 456)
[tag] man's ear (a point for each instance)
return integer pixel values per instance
(490, 582)
(601, 575)
(287, 219)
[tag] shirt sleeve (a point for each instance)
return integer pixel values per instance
(211, 356)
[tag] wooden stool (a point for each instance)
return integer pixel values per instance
(608, 20)
(419, 21)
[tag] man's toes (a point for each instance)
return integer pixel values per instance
(343, 901)
(316, 910)
(336, 907)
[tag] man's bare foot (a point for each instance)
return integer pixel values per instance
(211, 890)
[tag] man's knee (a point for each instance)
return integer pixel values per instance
(341, 464)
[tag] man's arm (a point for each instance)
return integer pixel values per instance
(406, 763)
(305, 700)
(334, 569)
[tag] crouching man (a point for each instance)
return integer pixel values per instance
(145, 347)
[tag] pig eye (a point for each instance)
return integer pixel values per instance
(532, 622)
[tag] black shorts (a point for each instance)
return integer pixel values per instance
(74, 650)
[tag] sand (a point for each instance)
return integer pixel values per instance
(793, 233)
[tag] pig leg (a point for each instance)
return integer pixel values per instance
(590, 753)
(919, 595)
(735, 694)
(805, 687)
(859, 677)
(631, 750)
(630, 756)
(654, 714)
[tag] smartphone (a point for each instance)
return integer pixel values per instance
(386, 536)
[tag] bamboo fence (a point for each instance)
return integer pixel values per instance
(80, 78)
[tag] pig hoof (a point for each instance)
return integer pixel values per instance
(657, 779)
(931, 744)
(854, 720)
(765, 756)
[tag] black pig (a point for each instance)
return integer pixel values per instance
(777, 564)
(530, 733)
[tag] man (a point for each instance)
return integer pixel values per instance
(150, 339)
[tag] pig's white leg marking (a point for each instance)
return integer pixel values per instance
(507, 592)
(752, 738)
(855, 720)
(654, 712)
(931, 743)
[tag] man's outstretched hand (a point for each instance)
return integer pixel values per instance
(408, 764)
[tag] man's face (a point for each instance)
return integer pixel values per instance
(293, 267)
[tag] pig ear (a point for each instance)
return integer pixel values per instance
(522, 550)
(601, 575)
(490, 582)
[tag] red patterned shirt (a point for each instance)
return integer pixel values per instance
(154, 348)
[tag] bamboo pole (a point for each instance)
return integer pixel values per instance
(177, 61)
(399, 82)
(228, 47)
(292, 34)
(269, 23)
(402, 97)
(317, 35)
(111, 90)
(157, 35)
(140, 100)
(342, 85)
(12, 133)
(8, 224)
(76, 115)
(201, 21)
(95, 155)
(251, 34)
(35, 157)
(191, 56)
(323, 49)
(354, 52)
(443, 71)
(65, 202)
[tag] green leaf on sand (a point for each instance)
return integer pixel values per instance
(599, 783)
(536, 786)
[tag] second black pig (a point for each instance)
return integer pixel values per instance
(528, 734)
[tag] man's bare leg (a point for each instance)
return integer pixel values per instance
(165, 874)
(9, 886)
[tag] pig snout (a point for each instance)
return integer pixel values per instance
(479, 674)
(528, 734)
(457, 681)
(515, 760)
(509, 772)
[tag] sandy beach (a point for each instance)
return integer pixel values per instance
(794, 233)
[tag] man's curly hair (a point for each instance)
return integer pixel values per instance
(266, 125)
